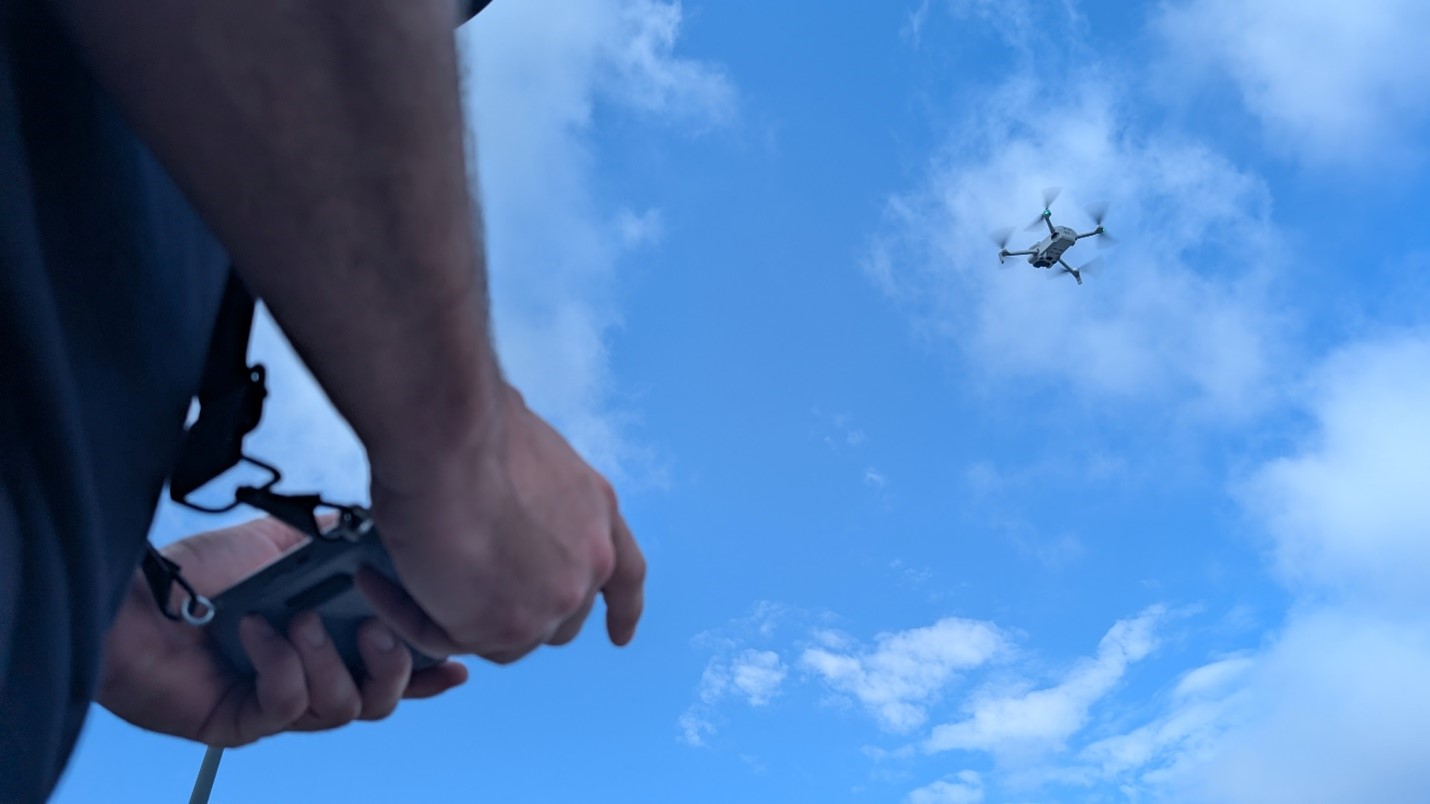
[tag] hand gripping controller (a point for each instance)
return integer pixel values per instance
(317, 575)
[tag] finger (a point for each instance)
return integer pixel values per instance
(389, 667)
(215, 560)
(333, 698)
(396, 608)
(401, 613)
(625, 591)
(280, 693)
(571, 626)
(510, 655)
(435, 680)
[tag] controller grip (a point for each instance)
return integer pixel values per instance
(316, 575)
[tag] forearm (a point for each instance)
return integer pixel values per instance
(323, 143)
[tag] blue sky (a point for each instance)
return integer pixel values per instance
(922, 530)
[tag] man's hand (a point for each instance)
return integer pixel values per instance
(163, 676)
(504, 545)
(346, 120)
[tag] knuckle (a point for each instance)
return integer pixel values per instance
(291, 706)
(503, 658)
(603, 561)
(566, 599)
(635, 569)
(349, 709)
(512, 630)
(378, 709)
(608, 492)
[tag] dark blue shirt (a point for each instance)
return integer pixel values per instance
(109, 285)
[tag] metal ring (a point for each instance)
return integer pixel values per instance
(187, 610)
(364, 525)
(354, 522)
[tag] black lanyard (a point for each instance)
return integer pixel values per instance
(230, 406)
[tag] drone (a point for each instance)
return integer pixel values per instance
(1049, 251)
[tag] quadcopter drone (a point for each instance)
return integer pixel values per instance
(1049, 251)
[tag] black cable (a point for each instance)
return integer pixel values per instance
(204, 784)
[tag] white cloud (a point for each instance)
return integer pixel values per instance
(639, 230)
(647, 75)
(1336, 707)
(1336, 711)
(736, 671)
(756, 675)
(1204, 703)
(907, 670)
(695, 726)
(1179, 315)
(1050, 552)
(965, 788)
(839, 430)
(914, 22)
(875, 479)
(1000, 723)
(1349, 514)
(1342, 83)
(1014, 20)
(300, 433)
(535, 71)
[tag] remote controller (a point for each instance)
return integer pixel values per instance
(316, 575)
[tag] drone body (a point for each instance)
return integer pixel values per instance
(1049, 251)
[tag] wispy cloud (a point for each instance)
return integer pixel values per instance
(966, 787)
(647, 74)
(914, 21)
(1045, 718)
(753, 676)
(1203, 704)
(839, 430)
(536, 70)
(735, 671)
(904, 672)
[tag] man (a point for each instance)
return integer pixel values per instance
(322, 146)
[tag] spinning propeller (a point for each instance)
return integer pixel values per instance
(1097, 211)
(1000, 239)
(1049, 196)
(1092, 267)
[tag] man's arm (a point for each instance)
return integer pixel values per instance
(324, 144)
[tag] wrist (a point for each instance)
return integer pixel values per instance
(445, 439)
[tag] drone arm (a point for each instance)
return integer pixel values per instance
(1089, 234)
(1016, 253)
(1048, 219)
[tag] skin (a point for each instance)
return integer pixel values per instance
(324, 145)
